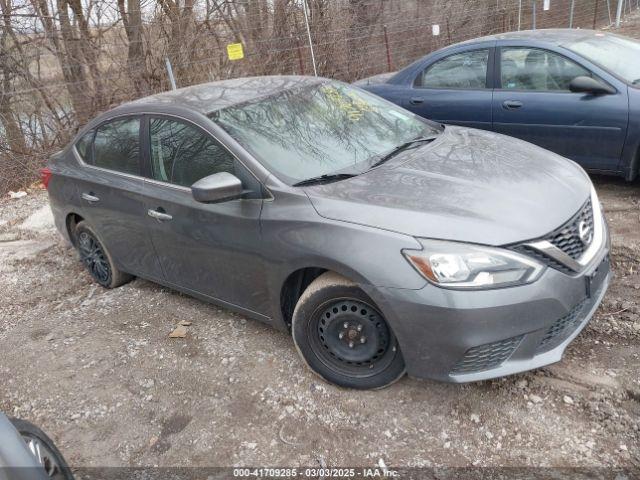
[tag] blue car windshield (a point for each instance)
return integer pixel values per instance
(320, 129)
(619, 55)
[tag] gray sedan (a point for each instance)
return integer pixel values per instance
(385, 243)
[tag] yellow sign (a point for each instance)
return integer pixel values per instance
(235, 52)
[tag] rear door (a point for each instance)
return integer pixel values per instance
(110, 187)
(207, 248)
(532, 101)
(455, 88)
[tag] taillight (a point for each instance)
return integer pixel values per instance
(45, 176)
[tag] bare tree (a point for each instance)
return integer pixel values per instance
(136, 60)
(15, 141)
(63, 61)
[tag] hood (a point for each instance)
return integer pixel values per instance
(468, 185)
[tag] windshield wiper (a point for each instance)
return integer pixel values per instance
(334, 177)
(401, 148)
(327, 177)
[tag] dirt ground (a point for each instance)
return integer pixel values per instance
(96, 369)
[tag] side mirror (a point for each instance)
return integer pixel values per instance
(219, 187)
(590, 85)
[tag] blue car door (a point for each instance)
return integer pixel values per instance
(532, 101)
(454, 87)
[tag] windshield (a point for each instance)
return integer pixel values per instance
(320, 129)
(619, 55)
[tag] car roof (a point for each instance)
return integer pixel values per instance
(554, 36)
(548, 36)
(209, 97)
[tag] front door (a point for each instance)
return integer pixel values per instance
(533, 102)
(210, 249)
(454, 90)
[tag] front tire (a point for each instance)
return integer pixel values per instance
(97, 259)
(343, 337)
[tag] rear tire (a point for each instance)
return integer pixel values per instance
(343, 337)
(97, 259)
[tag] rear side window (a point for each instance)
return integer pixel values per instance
(462, 70)
(182, 154)
(83, 146)
(117, 146)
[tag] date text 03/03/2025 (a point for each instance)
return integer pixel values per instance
(371, 472)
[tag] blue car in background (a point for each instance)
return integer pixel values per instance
(574, 92)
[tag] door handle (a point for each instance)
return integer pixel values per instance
(416, 100)
(512, 104)
(89, 197)
(158, 215)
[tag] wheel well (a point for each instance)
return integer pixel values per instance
(72, 220)
(293, 287)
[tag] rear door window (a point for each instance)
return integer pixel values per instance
(117, 146)
(84, 147)
(461, 70)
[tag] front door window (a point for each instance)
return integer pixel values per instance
(182, 154)
(537, 69)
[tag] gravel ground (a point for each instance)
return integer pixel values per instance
(97, 370)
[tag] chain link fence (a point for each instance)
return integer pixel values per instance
(61, 66)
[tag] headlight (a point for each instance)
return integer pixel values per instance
(466, 266)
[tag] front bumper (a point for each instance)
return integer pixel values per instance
(464, 336)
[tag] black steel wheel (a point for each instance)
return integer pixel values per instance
(343, 337)
(96, 258)
(352, 337)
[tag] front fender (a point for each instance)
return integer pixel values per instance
(294, 236)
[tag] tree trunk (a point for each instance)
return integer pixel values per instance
(9, 120)
(136, 60)
(69, 57)
(12, 131)
(90, 53)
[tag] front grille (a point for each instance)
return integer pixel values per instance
(486, 357)
(565, 238)
(561, 329)
(542, 258)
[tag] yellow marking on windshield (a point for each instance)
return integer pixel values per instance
(354, 106)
